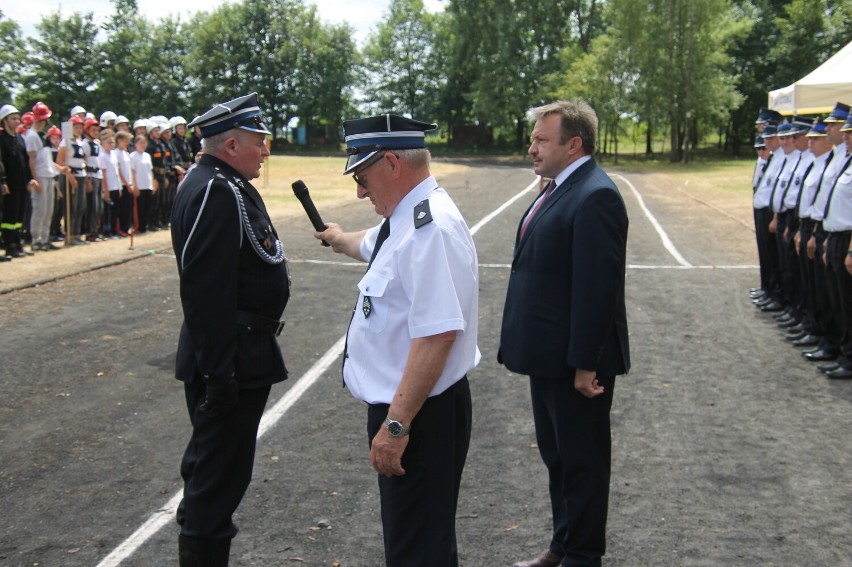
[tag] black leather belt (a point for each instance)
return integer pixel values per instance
(78, 169)
(251, 323)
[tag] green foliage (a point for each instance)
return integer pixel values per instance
(399, 61)
(690, 70)
(62, 63)
(11, 56)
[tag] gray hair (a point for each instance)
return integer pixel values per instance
(417, 158)
(578, 119)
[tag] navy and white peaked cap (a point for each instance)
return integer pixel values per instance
(365, 137)
(242, 112)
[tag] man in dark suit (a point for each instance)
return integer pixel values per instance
(565, 325)
(234, 286)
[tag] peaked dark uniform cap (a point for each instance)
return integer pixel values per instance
(759, 142)
(242, 112)
(839, 114)
(770, 131)
(802, 124)
(768, 116)
(818, 130)
(365, 137)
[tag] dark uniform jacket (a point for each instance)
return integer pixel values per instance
(16, 161)
(565, 301)
(157, 151)
(222, 274)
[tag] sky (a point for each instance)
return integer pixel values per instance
(363, 15)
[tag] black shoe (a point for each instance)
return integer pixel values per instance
(47, 246)
(828, 366)
(789, 324)
(760, 301)
(807, 340)
(783, 316)
(771, 307)
(795, 335)
(5, 258)
(818, 355)
(840, 373)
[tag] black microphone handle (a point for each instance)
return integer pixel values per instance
(301, 192)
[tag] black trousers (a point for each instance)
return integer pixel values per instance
(143, 207)
(767, 252)
(573, 435)
(14, 211)
(839, 283)
(826, 316)
(419, 508)
(810, 321)
(217, 463)
(788, 266)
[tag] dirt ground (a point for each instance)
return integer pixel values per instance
(729, 448)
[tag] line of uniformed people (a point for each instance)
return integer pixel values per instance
(803, 226)
(41, 165)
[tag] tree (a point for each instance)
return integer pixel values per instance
(11, 56)
(326, 72)
(124, 80)
(396, 58)
(63, 64)
(252, 46)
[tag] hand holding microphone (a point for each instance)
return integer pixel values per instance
(301, 192)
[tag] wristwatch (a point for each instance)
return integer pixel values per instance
(396, 428)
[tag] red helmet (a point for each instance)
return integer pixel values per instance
(54, 131)
(77, 120)
(41, 111)
(27, 119)
(91, 122)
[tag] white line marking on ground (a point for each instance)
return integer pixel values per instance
(488, 218)
(667, 243)
(166, 514)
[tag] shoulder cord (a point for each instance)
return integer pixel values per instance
(264, 255)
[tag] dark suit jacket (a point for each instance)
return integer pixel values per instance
(220, 273)
(565, 302)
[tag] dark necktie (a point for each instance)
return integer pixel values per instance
(775, 185)
(833, 185)
(547, 192)
(384, 232)
(821, 177)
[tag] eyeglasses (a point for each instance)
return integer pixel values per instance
(358, 177)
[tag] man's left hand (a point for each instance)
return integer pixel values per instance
(586, 382)
(386, 453)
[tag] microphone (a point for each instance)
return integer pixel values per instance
(301, 192)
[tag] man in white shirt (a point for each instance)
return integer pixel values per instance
(412, 337)
(767, 246)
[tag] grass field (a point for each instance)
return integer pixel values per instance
(323, 176)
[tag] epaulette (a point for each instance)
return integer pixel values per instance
(422, 213)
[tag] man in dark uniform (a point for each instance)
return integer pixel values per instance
(183, 152)
(158, 160)
(234, 286)
(19, 180)
(174, 171)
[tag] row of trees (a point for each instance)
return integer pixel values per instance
(686, 69)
